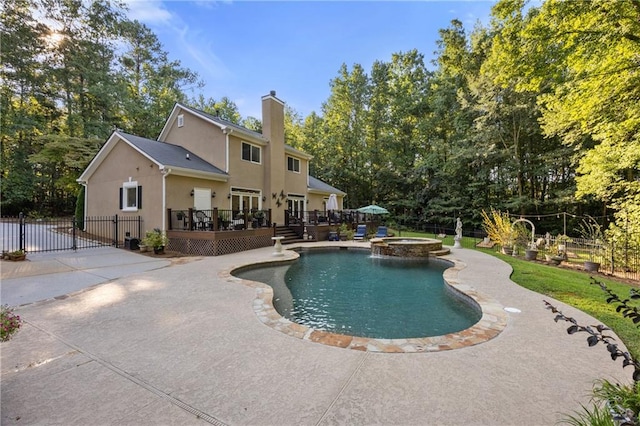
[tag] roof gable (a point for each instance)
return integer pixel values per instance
(216, 121)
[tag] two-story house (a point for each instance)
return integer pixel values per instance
(201, 162)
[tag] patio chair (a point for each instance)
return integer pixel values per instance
(361, 232)
(382, 232)
(203, 221)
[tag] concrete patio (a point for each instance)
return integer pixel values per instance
(183, 345)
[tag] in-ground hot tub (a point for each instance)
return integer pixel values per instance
(407, 247)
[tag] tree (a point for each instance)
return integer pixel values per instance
(252, 123)
(379, 138)
(154, 83)
(313, 142)
(292, 127)
(225, 108)
(591, 103)
(66, 87)
(21, 101)
(344, 125)
(446, 164)
(408, 91)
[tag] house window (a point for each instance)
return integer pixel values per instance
(250, 153)
(181, 120)
(293, 164)
(130, 197)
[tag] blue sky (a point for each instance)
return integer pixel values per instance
(244, 49)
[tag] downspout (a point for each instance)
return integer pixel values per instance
(227, 131)
(306, 192)
(84, 209)
(165, 172)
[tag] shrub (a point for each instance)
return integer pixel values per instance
(9, 323)
(343, 229)
(155, 239)
(591, 230)
(498, 227)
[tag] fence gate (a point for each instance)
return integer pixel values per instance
(42, 235)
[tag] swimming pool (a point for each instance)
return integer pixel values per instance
(349, 292)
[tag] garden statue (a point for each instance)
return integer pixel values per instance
(458, 236)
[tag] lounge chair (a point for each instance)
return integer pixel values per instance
(382, 232)
(361, 232)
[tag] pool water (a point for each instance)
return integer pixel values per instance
(350, 292)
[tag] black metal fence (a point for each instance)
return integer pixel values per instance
(621, 260)
(41, 235)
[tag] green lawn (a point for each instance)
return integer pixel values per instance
(574, 288)
(571, 287)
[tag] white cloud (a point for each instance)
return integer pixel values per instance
(202, 53)
(157, 15)
(148, 12)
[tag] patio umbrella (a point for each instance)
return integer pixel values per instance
(332, 202)
(373, 209)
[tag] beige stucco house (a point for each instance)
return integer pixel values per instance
(203, 162)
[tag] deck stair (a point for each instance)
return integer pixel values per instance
(289, 235)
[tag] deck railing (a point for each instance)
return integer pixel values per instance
(319, 217)
(191, 219)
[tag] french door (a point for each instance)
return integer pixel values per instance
(295, 205)
(244, 199)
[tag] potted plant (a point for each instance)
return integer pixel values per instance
(532, 252)
(17, 255)
(561, 242)
(554, 259)
(9, 323)
(591, 231)
(251, 220)
(556, 253)
(342, 232)
(259, 216)
(156, 239)
(499, 229)
(345, 233)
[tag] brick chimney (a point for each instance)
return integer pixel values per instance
(274, 158)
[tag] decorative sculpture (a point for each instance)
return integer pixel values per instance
(458, 236)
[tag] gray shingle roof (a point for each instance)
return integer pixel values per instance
(171, 155)
(317, 184)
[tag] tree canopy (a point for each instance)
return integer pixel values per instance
(535, 113)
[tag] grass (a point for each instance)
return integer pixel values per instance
(569, 286)
(574, 288)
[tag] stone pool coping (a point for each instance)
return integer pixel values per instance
(490, 325)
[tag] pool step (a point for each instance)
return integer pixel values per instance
(439, 252)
